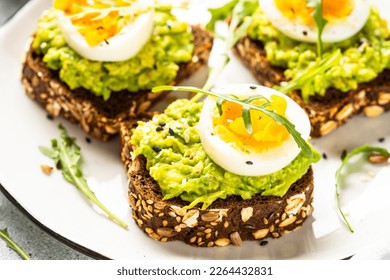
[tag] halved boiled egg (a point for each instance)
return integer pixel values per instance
(105, 30)
(294, 19)
(268, 148)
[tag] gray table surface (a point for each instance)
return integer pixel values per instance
(38, 244)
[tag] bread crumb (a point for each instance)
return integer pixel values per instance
(46, 169)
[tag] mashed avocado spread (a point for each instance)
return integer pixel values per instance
(171, 43)
(363, 56)
(177, 161)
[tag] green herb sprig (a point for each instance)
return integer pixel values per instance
(320, 22)
(366, 149)
(241, 17)
(11, 244)
(220, 13)
(301, 82)
(66, 155)
(247, 106)
(246, 114)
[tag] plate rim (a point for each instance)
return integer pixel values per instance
(82, 249)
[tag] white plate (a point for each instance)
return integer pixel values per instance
(61, 210)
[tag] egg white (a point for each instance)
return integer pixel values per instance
(231, 158)
(124, 45)
(334, 31)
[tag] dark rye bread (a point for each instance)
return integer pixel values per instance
(95, 116)
(228, 221)
(326, 112)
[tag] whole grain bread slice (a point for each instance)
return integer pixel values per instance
(226, 221)
(326, 112)
(95, 116)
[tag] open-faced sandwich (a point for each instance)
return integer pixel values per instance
(232, 168)
(336, 55)
(94, 62)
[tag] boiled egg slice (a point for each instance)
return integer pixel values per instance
(294, 19)
(106, 30)
(268, 149)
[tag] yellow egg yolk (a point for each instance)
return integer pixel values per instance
(266, 133)
(96, 20)
(331, 9)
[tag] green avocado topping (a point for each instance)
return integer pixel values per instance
(177, 161)
(364, 55)
(157, 63)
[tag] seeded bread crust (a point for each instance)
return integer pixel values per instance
(227, 221)
(96, 117)
(326, 112)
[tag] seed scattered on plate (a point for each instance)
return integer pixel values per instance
(343, 154)
(377, 158)
(263, 242)
(46, 169)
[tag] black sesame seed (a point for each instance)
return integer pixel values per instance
(159, 128)
(263, 243)
(171, 132)
(304, 33)
(88, 139)
(157, 149)
(253, 87)
(324, 156)
(382, 139)
(169, 26)
(162, 124)
(49, 117)
(249, 162)
(343, 154)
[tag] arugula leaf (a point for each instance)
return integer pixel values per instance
(241, 11)
(11, 244)
(363, 149)
(320, 21)
(219, 105)
(306, 150)
(66, 155)
(254, 97)
(220, 13)
(301, 82)
(246, 116)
